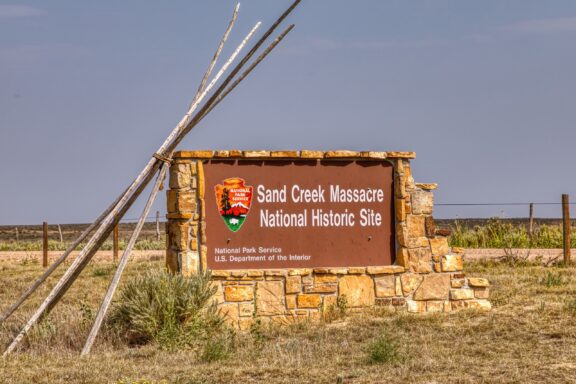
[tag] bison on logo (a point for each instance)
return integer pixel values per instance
(233, 199)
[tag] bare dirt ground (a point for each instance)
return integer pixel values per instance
(470, 254)
(101, 256)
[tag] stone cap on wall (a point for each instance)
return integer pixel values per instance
(302, 154)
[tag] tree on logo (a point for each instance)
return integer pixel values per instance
(225, 201)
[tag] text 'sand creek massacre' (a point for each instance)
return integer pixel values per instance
(298, 214)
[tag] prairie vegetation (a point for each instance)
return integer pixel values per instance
(499, 234)
(529, 336)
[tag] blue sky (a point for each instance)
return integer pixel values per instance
(483, 91)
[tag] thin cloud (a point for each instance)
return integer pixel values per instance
(563, 24)
(9, 11)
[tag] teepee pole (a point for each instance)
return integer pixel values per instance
(122, 264)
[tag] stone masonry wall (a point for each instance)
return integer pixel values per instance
(427, 275)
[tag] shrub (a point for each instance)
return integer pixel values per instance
(383, 350)
(170, 310)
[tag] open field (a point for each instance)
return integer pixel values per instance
(529, 336)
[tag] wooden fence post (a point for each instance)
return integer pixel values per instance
(17, 234)
(60, 233)
(157, 225)
(45, 244)
(531, 221)
(115, 243)
(566, 224)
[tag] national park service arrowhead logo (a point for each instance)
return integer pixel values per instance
(233, 200)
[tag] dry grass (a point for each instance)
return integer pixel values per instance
(530, 336)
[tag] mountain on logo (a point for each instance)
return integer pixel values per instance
(233, 199)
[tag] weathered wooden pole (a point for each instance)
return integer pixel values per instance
(45, 244)
(157, 225)
(123, 261)
(115, 240)
(566, 224)
(60, 233)
(17, 234)
(531, 221)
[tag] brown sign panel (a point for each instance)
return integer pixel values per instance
(298, 214)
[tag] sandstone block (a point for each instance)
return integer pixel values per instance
(343, 153)
(400, 208)
(415, 225)
(222, 154)
(246, 309)
(321, 288)
(483, 305)
(322, 279)
(439, 246)
(218, 273)
(402, 257)
(435, 306)
(478, 282)
(338, 271)
(400, 187)
(299, 272)
(385, 269)
(178, 235)
(358, 289)
(229, 312)
(270, 298)
(452, 263)
(422, 202)
(356, 270)
(284, 154)
(398, 301)
(427, 186)
(180, 176)
(402, 234)
(189, 263)
(457, 283)
(398, 286)
(309, 300)
(293, 284)
(402, 155)
(276, 272)
(329, 302)
(416, 306)
(256, 154)
(305, 154)
(239, 293)
(373, 155)
(245, 323)
(457, 250)
(410, 282)
(430, 226)
(420, 260)
(180, 201)
(290, 301)
(481, 293)
(433, 287)
(385, 286)
(235, 153)
(461, 294)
